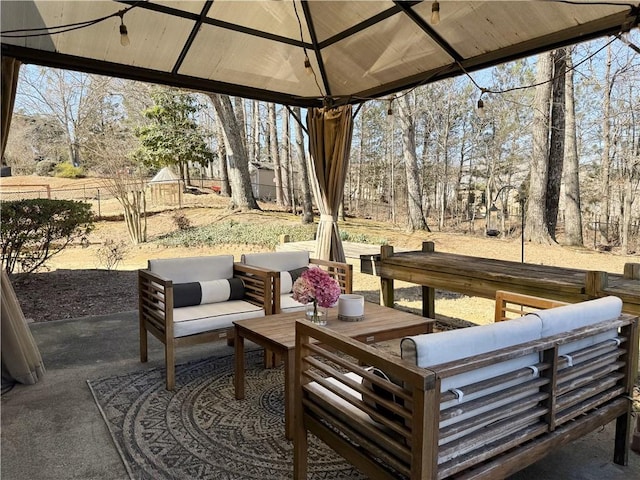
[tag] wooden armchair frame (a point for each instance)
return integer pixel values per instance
(342, 272)
(155, 310)
(513, 305)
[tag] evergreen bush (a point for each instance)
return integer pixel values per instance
(33, 230)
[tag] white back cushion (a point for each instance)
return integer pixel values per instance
(193, 269)
(434, 348)
(277, 261)
(561, 319)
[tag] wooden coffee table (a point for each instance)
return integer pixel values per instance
(276, 333)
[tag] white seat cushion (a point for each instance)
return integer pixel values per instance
(212, 316)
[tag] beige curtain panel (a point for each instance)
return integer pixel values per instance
(10, 70)
(330, 132)
(21, 360)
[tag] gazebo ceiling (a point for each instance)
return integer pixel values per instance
(256, 49)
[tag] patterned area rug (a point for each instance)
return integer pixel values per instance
(201, 431)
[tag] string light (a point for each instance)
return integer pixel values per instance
(70, 27)
(124, 35)
(480, 110)
(435, 13)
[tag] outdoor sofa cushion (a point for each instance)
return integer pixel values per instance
(212, 316)
(289, 264)
(193, 269)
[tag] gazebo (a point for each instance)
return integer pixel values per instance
(165, 187)
(324, 56)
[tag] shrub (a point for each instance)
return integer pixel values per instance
(181, 221)
(33, 230)
(45, 168)
(111, 253)
(66, 170)
(346, 236)
(232, 232)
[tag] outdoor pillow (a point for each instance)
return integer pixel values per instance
(211, 291)
(288, 278)
(384, 393)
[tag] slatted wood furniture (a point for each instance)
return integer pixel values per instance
(482, 277)
(281, 263)
(482, 413)
(190, 325)
(513, 305)
(276, 333)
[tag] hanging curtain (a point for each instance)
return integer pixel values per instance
(330, 131)
(21, 360)
(10, 69)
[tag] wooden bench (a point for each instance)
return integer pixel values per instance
(457, 419)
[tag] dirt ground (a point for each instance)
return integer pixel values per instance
(77, 283)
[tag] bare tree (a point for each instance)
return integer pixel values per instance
(536, 228)
(307, 205)
(556, 142)
(572, 213)
(605, 163)
(414, 192)
(287, 170)
(275, 154)
(241, 192)
(225, 186)
(69, 97)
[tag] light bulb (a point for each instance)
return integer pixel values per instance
(435, 13)
(124, 37)
(480, 111)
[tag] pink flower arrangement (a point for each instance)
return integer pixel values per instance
(317, 286)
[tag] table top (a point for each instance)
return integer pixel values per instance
(570, 279)
(479, 276)
(379, 323)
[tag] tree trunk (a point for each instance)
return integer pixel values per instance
(241, 117)
(307, 204)
(275, 154)
(360, 157)
(225, 186)
(572, 213)
(286, 160)
(414, 192)
(536, 226)
(627, 203)
(556, 143)
(241, 192)
(605, 166)
(255, 115)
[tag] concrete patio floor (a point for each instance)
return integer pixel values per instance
(54, 431)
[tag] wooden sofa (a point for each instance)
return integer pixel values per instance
(168, 311)
(479, 402)
(284, 266)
